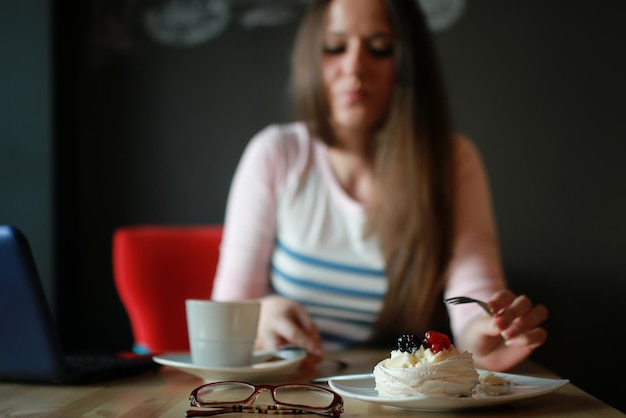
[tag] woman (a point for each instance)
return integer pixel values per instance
(351, 224)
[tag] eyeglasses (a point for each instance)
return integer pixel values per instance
(233, 396)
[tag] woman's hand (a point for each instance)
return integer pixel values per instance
(284, 321)
(509, 336)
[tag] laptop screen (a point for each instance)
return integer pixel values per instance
(30, 348)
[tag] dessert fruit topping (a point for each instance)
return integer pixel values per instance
(436, 341)
(408, 343)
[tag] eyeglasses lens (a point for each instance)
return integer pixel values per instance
(231, 392)
(295, 395)
(304, 395)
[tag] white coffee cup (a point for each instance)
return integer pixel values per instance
(222, 334)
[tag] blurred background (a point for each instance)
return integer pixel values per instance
(125, 112)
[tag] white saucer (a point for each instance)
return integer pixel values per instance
(266, 365)
(363, 387)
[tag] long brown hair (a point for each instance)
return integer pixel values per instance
(412, 211)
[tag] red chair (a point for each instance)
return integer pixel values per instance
(155, 268)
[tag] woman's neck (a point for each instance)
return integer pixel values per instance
(353, 169)
(353, 141)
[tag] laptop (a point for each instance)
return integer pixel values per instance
(30, 346)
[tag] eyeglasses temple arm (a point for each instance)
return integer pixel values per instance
(207, 413)
(253, 409)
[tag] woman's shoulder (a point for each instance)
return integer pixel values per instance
(468, 160)
(463, 143)
(279, 136)
(465, 148)
(286, 148)
(286, 140)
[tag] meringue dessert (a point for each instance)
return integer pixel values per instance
(492, 385)
(432, 367)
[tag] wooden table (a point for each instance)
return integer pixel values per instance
(165, 394)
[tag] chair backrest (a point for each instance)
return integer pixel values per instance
(155, 268)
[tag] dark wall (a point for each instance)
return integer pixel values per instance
(539, 86)
(151, 133)
(155, 131)
(26, 160)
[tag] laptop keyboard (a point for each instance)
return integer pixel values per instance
(86, 368)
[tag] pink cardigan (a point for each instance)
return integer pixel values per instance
(282, 153)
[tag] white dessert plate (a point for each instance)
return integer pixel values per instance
(363, 387)
(266, 365)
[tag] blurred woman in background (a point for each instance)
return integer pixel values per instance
(353, 223)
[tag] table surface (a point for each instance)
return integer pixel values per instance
(165, 394)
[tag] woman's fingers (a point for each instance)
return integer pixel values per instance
(526, 322)
(294, 333)
(518, 319)
(500, 301)
(284, 321)
(531, 339)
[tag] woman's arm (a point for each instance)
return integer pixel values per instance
(501, 341)
(250, 225)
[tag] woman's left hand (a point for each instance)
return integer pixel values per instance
(509, 336)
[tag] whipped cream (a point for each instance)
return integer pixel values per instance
(422, 372)
(492, 385)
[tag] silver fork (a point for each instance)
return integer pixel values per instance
(464, 299)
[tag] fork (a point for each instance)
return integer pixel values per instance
(464, 299)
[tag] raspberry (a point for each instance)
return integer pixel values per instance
(408, 342)
(436, 341)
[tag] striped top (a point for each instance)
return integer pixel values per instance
(343, 299)
(291, 229)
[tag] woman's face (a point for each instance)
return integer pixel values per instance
(357, 63)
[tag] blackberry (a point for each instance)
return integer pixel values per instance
(408, 342)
